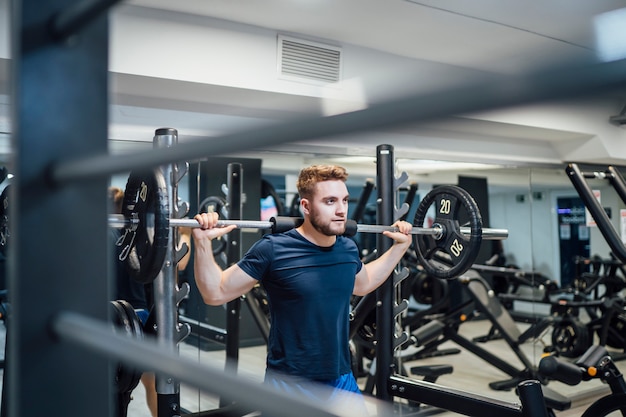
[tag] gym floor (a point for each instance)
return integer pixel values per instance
(471, 374)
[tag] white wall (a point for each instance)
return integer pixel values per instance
(506, 213)
(5, 29)
(542, 231)
(533, 242)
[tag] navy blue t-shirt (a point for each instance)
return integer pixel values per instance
(309, 289)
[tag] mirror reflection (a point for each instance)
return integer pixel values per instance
(540, 289)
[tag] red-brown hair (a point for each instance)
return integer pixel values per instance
(310, 176)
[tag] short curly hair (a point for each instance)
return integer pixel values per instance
(310, 176)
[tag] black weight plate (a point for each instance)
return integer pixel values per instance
(429, 290)
(135, 323)
(570, 338)
(5, 233)
(125, 378)
(137, 331)
(214, 204)
(146, 197)
(365, 335)
(453, 247)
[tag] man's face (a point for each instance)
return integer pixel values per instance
(328, 208)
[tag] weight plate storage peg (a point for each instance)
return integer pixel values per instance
(452, 245)
(145, 243)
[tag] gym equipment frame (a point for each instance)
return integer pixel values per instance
(64, 180)
(579, 180)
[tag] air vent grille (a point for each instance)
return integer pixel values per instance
(309, 60)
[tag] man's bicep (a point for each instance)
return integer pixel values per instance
(361, 282)
(238, 281)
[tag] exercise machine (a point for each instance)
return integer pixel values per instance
(595, 363)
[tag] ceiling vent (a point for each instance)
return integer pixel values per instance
(306, 60)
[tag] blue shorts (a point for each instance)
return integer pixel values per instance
(302, 386)
(340, 392)
(345, 382)
(142, 315)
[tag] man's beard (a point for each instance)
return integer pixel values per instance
(328, 229)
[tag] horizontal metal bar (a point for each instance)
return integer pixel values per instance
(375, 228)
(146, 354)
(502, 270)
(241, 224)
(205, 331)
(489, 93)
(451, 399)
(437, 231)
(118, 220)
(488, 233)
(596, 175)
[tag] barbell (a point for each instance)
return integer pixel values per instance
(145, 217)
(280, 224)
(146, 220)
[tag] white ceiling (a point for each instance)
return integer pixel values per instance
(450, 42)
(489, 35)
(492, 37)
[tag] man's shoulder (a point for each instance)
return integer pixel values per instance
(269, 240)
(288, 235)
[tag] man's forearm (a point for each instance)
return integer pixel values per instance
(207, 272)
(381, 268)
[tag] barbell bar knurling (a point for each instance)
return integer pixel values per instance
(280, 223)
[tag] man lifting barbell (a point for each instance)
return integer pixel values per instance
(309, 273)
(445, 250)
